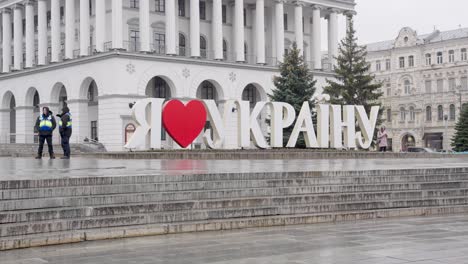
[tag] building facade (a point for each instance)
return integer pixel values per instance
(425, 84)
(100, 56)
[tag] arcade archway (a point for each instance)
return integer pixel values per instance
(407, 141)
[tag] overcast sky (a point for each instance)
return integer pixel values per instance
(379, 20)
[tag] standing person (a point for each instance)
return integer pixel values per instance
(65, 129)
(45, 125)
(382, 137)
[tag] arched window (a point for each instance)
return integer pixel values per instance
(389, 115)
(250, 94)
(412, 114)
(428, 113)
(463, 54)
(452, 112)
(36, 102)
(208, 91)
(402, 114)
(440, 113)
(451, 56)
(182, 45)
(225, 50)
(440, 58)
(202, 47)
(246, 59)
(158, 88)
(428, 59)
(407, 87)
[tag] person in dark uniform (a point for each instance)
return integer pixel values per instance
(65, 129)
(45, 125)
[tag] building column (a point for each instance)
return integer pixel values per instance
(55, 30)
(30, 38)
(195, 28)
(24, 124)
(299, 26)
(84, 28)
(4, 126)
(145, 25)
(171, 32)
(70, 28)
(6, 36)
(117, 24)
(78, 109)
(239, 30)
(279, 22)
(100, 30)
(332, 37)
(42, 32)
(260, 31)
(316, 38)
(18, 36)
(218, 29)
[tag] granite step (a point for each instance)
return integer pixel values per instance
(93, 200)
(42, 192)
(33, 215)
(78, 223)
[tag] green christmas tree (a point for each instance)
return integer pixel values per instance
(460, 139)
(354, 85)
(294, 86)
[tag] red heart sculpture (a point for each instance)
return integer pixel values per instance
(184, 122)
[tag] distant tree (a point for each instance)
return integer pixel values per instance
(294, 86)
(353, 83)
(460, 139)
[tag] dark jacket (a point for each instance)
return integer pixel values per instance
(65, 117)
(38, 121)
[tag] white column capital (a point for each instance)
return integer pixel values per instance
(280, 1)
(18, 6)
(5, 10)
(29, 2)
(349, 13)
(299, 3)
(317, 7)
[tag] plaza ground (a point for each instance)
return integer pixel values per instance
(28, 168)
(424, 240)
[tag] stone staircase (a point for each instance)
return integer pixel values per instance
(56, 211)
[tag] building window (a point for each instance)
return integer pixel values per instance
(377, 66)
(463, 54)
(402, 114)
(440, 58)
(452, 112)
(411, 61)
(94, 129)
(407, 87)
(452, 84)
(182, 50)
(134, 40)
(160, 6)
(464, 83)
(250, 94)
(440, 113)
(159, 43)
(224, 14)
(285, 19)
(451, 56)
(91, 7)
(440, 85)
(389, 115)
(48, 20)
(428, 113)
(428, 59)
(207, 91)
(182, 8)
(389, 90)
(202, 10)
(202, 47)
(225, 50)
(36, 21)
(402, 62)
(428, 86)
(412, 114)
(244, 13)
(62, 15)
(134, 3)
(388, 64)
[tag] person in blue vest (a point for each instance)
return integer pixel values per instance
(45, 125)
(65, 129)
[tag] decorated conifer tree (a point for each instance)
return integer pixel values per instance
(353, 85)
(294, 86)
(460, 139)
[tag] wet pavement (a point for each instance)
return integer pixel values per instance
(423, 240)
(28, 168)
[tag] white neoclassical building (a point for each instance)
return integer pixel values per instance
(100, 56)
(425, 84)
